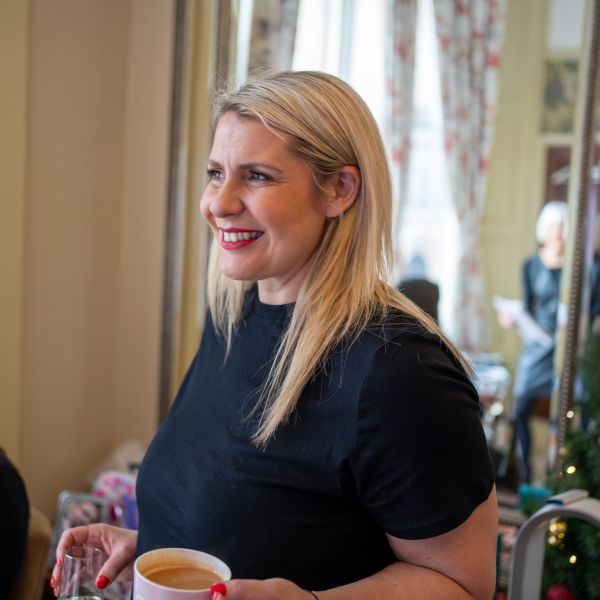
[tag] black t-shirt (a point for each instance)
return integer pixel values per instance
(387, 439)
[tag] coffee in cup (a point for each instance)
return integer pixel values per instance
(177, 574)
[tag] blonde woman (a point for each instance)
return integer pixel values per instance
(325, 442)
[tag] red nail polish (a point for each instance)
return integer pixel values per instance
(59, 561)
(102, 582)
(52, 582)
(218, 588)
(55, 590)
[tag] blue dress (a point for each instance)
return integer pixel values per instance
(535, 369)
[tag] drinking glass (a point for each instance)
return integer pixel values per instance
(81, 566)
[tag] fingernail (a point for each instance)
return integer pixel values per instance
(55, 590)
(102, 582)
(59, 561)
(52, 582)
(218, 588)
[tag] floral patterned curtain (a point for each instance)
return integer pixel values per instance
(470, 35)
(399, 80)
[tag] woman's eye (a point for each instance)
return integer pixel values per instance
(256, 176)
(214, 174)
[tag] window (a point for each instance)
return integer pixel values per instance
(429, 227)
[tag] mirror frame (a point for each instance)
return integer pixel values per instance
(571, 339)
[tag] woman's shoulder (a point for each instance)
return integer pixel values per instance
(410, 362)
(408, 346)
(396, 326)
(397, 342)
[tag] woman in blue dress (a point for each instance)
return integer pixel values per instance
(540, 280)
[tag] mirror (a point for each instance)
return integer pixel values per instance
(581, 280)
(535, 145)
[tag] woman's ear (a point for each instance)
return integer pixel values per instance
(344, 187)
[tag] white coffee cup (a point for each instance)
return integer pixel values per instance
(157, 574)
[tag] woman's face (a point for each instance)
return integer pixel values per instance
(263, 207)
(555, 237)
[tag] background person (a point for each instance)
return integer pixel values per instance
(416, 286)
(541, 272)
(14, 509)
(326, 436)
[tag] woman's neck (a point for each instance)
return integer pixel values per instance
(552, 257)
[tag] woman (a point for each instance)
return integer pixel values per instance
(541, 281)
(326, 436)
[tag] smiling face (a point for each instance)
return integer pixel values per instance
(263, 207)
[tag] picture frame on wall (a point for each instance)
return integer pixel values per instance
(560, 93)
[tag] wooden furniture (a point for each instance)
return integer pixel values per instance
(32, 575)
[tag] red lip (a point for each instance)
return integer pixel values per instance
(240, 243)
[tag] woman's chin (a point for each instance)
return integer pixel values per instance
(236, 274)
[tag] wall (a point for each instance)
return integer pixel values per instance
(99, 76)
(13, 61)
(143, 219)
(515, 185)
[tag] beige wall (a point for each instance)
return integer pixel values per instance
(13, 61)
(143, 214)
(99, 77)
(515, 185)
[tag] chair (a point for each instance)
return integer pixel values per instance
(30, 581)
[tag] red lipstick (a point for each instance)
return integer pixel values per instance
(235, 239)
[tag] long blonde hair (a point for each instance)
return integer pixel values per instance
(347, 287)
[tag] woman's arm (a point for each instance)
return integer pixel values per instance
(458, 565)
(527, 286)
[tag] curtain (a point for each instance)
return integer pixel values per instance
(273, 34)
(470, 35)
(399, 79)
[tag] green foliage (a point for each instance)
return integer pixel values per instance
(581, 470)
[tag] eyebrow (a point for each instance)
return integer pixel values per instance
(247, 166)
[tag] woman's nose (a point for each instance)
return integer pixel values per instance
(226, 200)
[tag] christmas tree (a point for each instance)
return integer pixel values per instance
(572, 562)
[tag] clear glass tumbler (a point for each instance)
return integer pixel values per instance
(81, 566)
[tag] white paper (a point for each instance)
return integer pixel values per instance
(528, 329)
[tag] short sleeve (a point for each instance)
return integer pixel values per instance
(422, 463)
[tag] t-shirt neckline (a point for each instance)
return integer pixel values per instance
(270, 311)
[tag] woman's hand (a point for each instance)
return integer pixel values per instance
(506, 321)
(117, 543)
(253, 589)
